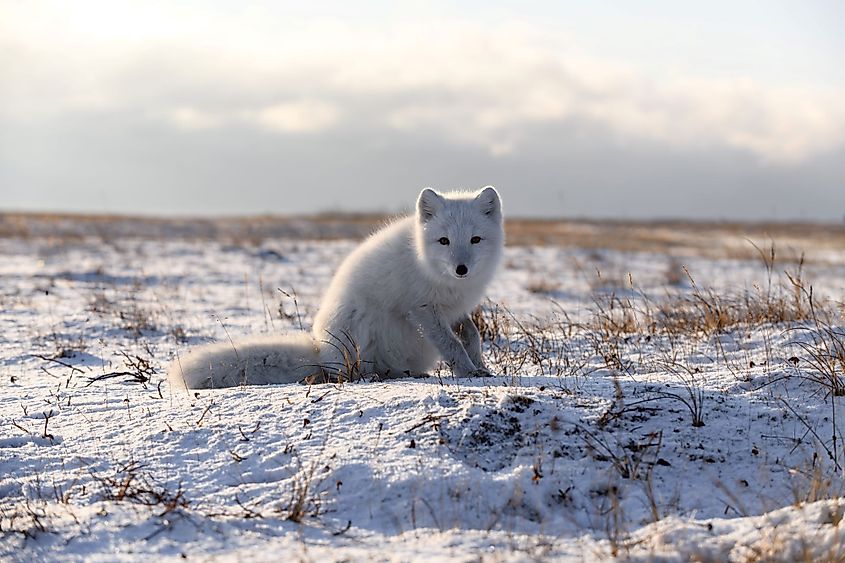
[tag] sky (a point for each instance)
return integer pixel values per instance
(630, 110)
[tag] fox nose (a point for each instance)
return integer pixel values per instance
(461, 270)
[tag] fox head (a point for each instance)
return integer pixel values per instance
(460, 235)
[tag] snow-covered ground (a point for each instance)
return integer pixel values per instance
(638, 413)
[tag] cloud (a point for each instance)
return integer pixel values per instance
(305, 116)
(192, 119)
(472, 85)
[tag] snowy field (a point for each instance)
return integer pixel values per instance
(664, 405)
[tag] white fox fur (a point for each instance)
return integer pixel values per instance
(399, 301)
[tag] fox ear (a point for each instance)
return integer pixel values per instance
(489, 202)
(428, 204)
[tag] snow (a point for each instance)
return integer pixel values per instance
(582, 448)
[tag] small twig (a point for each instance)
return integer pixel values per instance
(137, 377)
(165, 524)
(244, 437)
(56, 361)
(813, 432)
(47, 416)
(143, 370)
(248, 512)
(344, 530)
(292, 295)
(208, 408)
(229, 336)
(426, 419)
(21, 428)
(321, 397)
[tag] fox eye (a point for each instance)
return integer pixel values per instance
(475, 240)
(443, 240)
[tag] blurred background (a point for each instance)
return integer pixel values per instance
(630, 110)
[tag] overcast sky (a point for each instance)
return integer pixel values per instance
(719, 109)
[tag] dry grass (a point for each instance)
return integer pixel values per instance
(699, 238)
(515, 346)
(703, 311)
(302, 501)
(825, 352)
(27, 519)
(132, 483)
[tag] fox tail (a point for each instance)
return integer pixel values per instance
(261, 360)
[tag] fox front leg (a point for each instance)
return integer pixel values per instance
(468, 333)
(445, 340)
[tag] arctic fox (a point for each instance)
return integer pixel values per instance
(399, 301)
